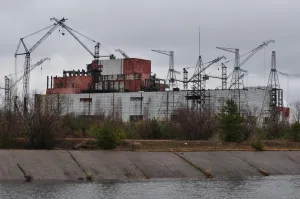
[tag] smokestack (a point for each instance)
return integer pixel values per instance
(47, 82)
(51, 83)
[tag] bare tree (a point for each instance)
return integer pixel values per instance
(42, 126)
(193, 124)
(295, 110)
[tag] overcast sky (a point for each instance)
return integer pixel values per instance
(138, 26)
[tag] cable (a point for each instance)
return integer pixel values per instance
(48, 27)
(81, 34)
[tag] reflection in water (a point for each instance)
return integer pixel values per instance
(259, 187)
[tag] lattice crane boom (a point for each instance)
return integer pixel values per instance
(122, 53)
(206, 67)
(255, 50)
(31, 68)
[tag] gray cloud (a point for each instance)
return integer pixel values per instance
(139, 26)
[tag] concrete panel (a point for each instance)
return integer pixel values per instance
(273, 162)
(48, 165)
(293, 155)
(112, 165)
(9, 169)
(112, 66)
(163, 165)
(221, 164)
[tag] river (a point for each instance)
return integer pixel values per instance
(258, 187)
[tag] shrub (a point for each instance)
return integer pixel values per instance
(192, 124)
(107, 137)
(41, 125)
(258, 145)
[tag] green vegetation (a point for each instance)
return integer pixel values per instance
(293, 134)
(43, 127)
(258, 145)
(231, 122)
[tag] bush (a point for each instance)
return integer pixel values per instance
(76, 124)
(190, 124)
(258, 145)
(107, 135)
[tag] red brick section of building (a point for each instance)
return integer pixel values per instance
(70, 84)
(79, 84)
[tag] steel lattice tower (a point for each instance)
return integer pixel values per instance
(7, 93)
(273, 95)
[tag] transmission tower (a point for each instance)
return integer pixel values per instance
(199, 95)
(164, 109)
(273, 94)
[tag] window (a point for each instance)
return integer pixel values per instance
(136, 98)
(85, 100)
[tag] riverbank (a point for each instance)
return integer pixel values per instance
(128, 165)
(169, 145)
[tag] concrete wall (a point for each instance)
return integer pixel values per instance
(125, 165)
(151, 102)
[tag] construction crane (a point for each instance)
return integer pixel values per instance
(164, 110)
(237, 76)
(9, 87)
(122, 53)
(28, 51)
(171, 72)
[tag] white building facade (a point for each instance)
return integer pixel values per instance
(147, 104)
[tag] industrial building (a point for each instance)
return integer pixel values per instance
(128, 85)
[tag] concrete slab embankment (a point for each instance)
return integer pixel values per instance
(125, 165)
(274, 163)
(134, 165)
(163, 165)
(221, 164)
(48, 165)
(9, 170)
(112, 165)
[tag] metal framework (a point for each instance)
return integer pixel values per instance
(28, 51)
(224, 76)
(199, 95)
(122, 53)
(7, 93)
(164, 109)
(237, 83)
(185, 79)
(273, 95)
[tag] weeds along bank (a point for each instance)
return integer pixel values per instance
(43, 127)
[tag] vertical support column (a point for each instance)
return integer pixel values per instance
(185, 79)
(224, 77)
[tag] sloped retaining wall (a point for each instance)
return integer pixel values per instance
(125, 165)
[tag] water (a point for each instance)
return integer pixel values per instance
(263, 187)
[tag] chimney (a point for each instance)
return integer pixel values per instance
(51, 83)
(47, 82)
